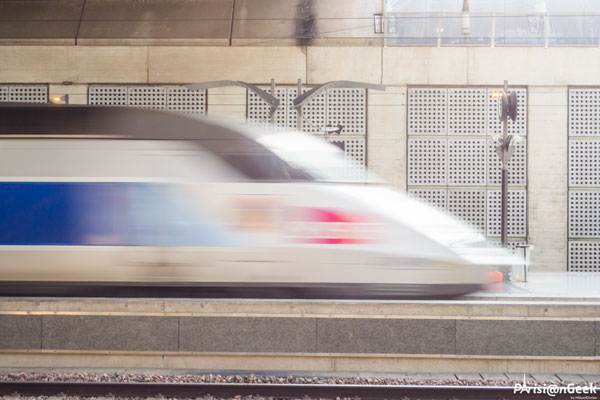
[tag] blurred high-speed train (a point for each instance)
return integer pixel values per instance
(98, 198)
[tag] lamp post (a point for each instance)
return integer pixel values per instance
(505, 157)
(507, 107)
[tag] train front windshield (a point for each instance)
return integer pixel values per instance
(321, 160)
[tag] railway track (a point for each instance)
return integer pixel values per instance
(279, 391)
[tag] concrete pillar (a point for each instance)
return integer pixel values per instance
(548, 177)
(227, 102)
(78, 94)
(386, 146)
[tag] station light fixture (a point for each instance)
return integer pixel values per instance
(59, 99)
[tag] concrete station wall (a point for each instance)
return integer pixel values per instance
(546, 72)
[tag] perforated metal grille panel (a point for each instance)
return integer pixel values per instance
(315, 113)
(338, 106)
(518, 127)
(427, 161)
(584, 112)
(461, 111)
(347, 107)
(469, 170)
(517, 166)
(3, 93)
(584, 163)
(517, 200)
(584, 173)
(584, 214)
(427, 111)
(466, 111)
(27, 93)
(354, 150)
(469, 206)
(584, 256)
(511, 243)
(152, 97)
(184, 100)
(107, 95)
(176, 98)
(258, 109)
(466, 162)
(434, 197)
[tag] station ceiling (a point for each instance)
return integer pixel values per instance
(210, 22)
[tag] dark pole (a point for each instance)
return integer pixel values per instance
(272, 121)
(299, 109)
(505, 146)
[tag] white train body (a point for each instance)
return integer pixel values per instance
(183, 202)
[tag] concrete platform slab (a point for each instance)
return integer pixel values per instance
(525, 338)
(546, 286)
(571, 377)
(519, 377)
(443, 377)
(20, 332)
(92, 332)
(418, 376)
(495, 377)
(393, 336)
(217, 334)
(468, 377)
(545, 378)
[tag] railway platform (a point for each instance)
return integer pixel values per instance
(546, 286)
(541, 327)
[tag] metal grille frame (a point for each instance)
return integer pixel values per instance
(24, 93)
(584, 179)
(472, 170)
(158, 97)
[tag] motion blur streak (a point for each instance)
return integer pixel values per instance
(128, 197)
(326, 226)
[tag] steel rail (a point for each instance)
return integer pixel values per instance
(190, 390)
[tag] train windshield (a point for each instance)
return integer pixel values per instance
(322, 161)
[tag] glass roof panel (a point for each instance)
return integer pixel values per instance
(493, 22)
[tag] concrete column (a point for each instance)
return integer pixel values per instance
(548, 177)
(78, 94)
(227, 102)
(386, 113)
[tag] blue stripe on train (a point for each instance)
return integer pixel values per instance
(103, 213)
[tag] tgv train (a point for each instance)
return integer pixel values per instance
(94, 199)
